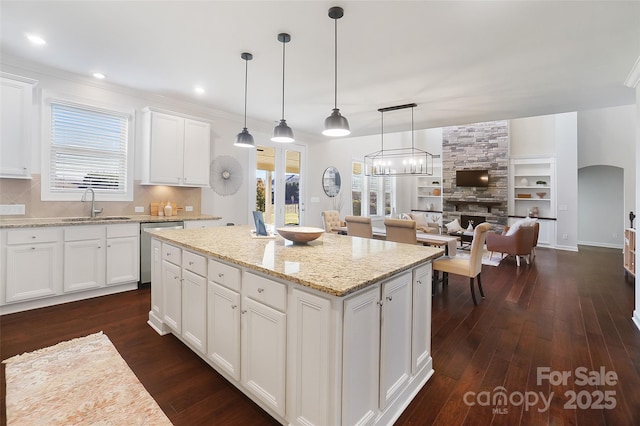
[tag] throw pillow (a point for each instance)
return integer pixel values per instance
(454, 226)
(527, 221)
(419, 218)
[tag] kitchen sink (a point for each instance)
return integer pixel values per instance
(94, 219)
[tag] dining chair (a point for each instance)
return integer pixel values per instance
(469, 267)
(401, 231)
(359, 226)
(331, 220)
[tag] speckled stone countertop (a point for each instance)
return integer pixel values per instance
(333, 264)
(101, 220)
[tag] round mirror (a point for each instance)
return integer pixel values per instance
(331, 181)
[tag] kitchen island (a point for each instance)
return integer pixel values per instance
(333, 332)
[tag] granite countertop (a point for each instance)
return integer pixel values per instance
(102, 220)
(333, 264)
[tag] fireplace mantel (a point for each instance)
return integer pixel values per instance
(487, 204)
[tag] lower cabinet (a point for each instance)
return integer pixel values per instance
(421, 326)
(223, 331)
(23, 250)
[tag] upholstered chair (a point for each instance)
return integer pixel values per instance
(401, 231)
(331, 220)
(469, 267)
(517, 244)
(359, 226)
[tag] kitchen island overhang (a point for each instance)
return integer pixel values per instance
(335, 331)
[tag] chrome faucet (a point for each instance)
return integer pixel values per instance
(94, 211)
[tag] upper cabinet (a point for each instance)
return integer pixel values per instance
(176, 150)
(15, 126)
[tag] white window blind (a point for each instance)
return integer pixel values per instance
(89, 148)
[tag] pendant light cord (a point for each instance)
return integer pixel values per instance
(335, 62)
(283, 50)
(246, 71)
(412, 148)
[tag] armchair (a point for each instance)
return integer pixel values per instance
(518, 243)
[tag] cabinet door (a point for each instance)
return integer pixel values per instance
(395, 337)
(33, 271)
(421, 327)
(84, 265)
(167, 133)
(309, 397)
(264, 353)
(123, 260)
(156, 277)
(15, 129)
(197, 137)
(194, 314)
(223, 328)
(171, 296)
(361, 357)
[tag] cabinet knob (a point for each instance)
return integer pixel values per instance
(419, 282)
(260, 290)
(389, 298)
(108, 245)
(380, 303)
(220, 275)
(168, 254)
(176, 278)
(33, 248)
(33, 237)
(234, 306)
(190, 263)
(244, 312)
(99, 247)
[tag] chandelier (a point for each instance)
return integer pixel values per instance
(400, 161)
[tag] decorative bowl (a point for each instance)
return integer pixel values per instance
(541, 194)
(300, 234)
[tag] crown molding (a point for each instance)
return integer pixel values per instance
(633, 79)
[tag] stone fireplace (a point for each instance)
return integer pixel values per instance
(476, 146)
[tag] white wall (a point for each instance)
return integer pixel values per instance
(600, 218)
(607, 137)
(532, 136)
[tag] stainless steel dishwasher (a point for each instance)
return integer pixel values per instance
(145, 247)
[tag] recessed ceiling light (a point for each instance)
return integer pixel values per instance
(99, 75)
(36, 39)
(199, 90)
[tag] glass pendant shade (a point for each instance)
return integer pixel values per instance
(336, 125)
(282, 133)
(244, 139)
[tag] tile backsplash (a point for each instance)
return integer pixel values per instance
(27, 192)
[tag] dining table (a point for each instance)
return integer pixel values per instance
(449, 243)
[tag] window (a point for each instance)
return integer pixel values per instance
(87, 147)
(357, 183)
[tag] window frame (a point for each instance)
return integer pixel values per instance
(46, 194)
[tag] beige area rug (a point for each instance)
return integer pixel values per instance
(81, 381)
(487, 259)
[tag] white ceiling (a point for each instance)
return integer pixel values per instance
(461, 62)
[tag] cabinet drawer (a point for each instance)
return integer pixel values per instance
(79, 233)
(264, 290)
(194, 262)
(171, 253)
(33, 235)
(224, 275)
(124, 230)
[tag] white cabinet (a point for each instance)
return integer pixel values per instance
(223, 317)
(171, 287)
(191, 224)
(361, 357)
(33, 263)
(98, 255)
(123, 254)
(156, 313)
(395, 337)
(176, 150)
(263, 349)
(421, 329)
(84, 257)
(16, 96)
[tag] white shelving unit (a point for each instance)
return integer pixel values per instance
(526, 194)
(428, 194)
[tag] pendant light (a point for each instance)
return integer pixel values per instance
(282, 132)
(401, 161)
(244, 138)
(336, 124)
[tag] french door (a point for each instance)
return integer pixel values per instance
(280, 184)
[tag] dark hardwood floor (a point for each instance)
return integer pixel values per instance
(565, 311)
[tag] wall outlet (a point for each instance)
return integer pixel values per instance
(565, 236)
(139, 209)
(11, 209)
(188, 208)
(315, 199)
